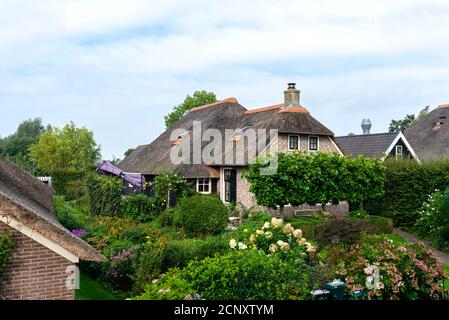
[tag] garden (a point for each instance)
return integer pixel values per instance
(190, 252)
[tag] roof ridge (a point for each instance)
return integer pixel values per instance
(294, 110)
(444, 105)
(227, 100)
(367, 135)
(262, 109)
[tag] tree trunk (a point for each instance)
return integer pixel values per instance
(281, 211)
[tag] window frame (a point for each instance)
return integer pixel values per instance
(396, 151)
(203, 184)
(298, 142)
(317, 143)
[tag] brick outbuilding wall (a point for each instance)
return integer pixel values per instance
(34, 272)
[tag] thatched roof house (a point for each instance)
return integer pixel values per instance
(430, 135)
(224, 126)
(42, 246)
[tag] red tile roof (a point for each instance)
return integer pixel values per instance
(295, 110)
(277, 106)
(443, 106)
(228, 100)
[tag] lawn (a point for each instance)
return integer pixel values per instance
(92, 290)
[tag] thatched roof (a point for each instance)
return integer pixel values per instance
(30, 202)
(367, 145)
(429, 137)
(154, 158)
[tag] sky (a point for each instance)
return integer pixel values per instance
(117, 67)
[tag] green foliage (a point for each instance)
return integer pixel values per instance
(405, 272)
(66, 149)
(407, 187)
(15, 147)
(433, 220)
(67, 215)
(308, 224)
(401, 125)
(105, 195)
(240, 275)
(358, 214)
(199, 98)
(166, 218)
(6, 245)
(129, 151)
(167, 181)
(138, 207)
(316, 178)
(201, 215)
(70, 184)
(150, 266)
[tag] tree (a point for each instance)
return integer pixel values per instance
(424, 112)
(15, 147)
(66, 149)
(316, 178)
(129, 151)
(401, 125)
(199, 98)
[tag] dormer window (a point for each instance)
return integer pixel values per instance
(314, 143)
(293, 142)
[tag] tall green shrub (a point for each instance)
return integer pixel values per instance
(68, 183)
(408, 185)
(105, 195)
(139, 207)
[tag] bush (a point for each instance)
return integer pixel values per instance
(382, 270)
(69, 184)
(241, 275)
(407, 187)
(308, 224)
(433, 221)
(201, 215)
(67, 215)
(122, 267)
(166, 218)
(167, 181)
(105, 195)
(347, 230)
(6, 245)
(150, 266)
(138, 207)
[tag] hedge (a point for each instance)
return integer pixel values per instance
(408, 184)
(68, 183)
(105, 195)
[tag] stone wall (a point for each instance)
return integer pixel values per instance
(34, 272)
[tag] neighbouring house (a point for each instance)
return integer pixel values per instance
(377, 145)
(132, 182)
(226, 126)
(44, 256)
(429, 136)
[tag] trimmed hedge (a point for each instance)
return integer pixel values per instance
(408, 184)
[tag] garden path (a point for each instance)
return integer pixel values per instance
(411, 238)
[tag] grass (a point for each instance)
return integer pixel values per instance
(92, 290)
(397, 239)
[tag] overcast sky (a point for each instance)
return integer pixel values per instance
(117, 67)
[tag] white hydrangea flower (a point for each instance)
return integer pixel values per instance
(288, 229)
(242, 246)
(277, 223)
(266, 225)
(233, 243)
(297, 233)
(268, 234)
(273, 247)
(252, 238)
(285, 246)
(259, 232)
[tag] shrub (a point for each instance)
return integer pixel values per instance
(166, 218)
(407, 187)
(67, 215)
(138, 207)
(383, 270)
(201, 215)
(69, 184)
(122, 266)
(358, 214)
(308, 224)
(346, 230)
(240, 275)
(6, 245)
(433, 219)
(150, 266)
(167, 181)
(105, 195)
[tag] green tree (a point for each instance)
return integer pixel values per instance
(199, 98)
(66, 149)
(401, 125)
(316, 178)
(129, 151)
(15, 147)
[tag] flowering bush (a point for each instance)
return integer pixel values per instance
(275, 237)
(121, 270)
(383, 270)
(425, 223)
(79, 232)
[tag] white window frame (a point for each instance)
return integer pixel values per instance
(299, 142)
(203, 184)
(396, 152)
(317, 143)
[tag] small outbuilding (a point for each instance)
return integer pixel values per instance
(42, 264)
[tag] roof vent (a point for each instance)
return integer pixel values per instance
(366, 126)
(291, 96)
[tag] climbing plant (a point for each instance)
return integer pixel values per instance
(6, 244)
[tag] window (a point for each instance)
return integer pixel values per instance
(313, 143)
(203, 185)
(399, 152)
(293, 142)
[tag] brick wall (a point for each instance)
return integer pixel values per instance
(34, 272)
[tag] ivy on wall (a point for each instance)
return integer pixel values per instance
(6, 245)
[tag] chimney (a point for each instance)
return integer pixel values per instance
(291, 96)
(366, 126)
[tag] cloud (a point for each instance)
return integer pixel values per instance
(118, 67)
